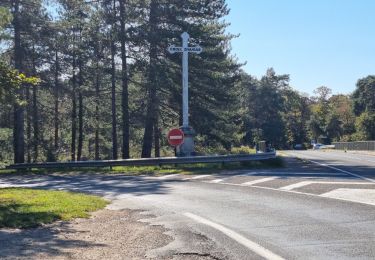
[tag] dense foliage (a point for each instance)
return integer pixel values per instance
(109, 89)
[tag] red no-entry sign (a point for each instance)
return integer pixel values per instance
(175, 137)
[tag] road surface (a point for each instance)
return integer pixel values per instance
(322, 207)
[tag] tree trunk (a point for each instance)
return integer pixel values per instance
(35, 114)
(74, 111)
(113, 89)
(35, 123)
(56, 109)
(18, 130)
(97, 98)
(152, 81)
(80, 103)
(28, 125)
(124, 79)
(156, 137)
(80, 126)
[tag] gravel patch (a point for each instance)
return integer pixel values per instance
(108, 234)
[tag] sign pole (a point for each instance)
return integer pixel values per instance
(185, 80)
(187, 148)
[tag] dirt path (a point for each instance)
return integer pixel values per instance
(106, 235)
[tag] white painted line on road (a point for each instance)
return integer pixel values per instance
(340, 170)
(200, 177)
(332, 167)
(296, 185)
(356, 195)
(249, 183)
(216, 181)
(300, 173)
(292, 191)
(256, 248)
(196, 177)
(168, 176)
(305, 183)
(231, 176)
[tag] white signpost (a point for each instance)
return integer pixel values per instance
(187, 148)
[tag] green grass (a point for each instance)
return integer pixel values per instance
(200, 168)
(24, 208)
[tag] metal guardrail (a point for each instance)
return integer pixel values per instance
(359, 145)
(148, 161)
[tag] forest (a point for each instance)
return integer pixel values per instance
(92, 79)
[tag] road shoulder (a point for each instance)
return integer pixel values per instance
(108, 234)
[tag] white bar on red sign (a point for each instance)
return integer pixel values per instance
(175, 137)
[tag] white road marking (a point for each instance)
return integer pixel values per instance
(168, 176)
(292, 191)
(340, 170)
(216, 181)
(231, 176)
(200, 177)
(297, 173)
(249, 183)
(356, 195)
(305, 183)
(295, 185)
(264, 179)
(197, 177)
(256, 248)
(332, 167)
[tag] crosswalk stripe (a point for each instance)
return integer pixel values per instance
(200, 177)
(168, 176)
(259, 181)
(196, 177)
(305, 183)
(217, 180)
(366, 196)
(296, 185)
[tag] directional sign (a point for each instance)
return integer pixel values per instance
(187, 147)
(173, 49)
(196, 49)
(175, 137)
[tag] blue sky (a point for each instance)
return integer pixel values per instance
(317, 42)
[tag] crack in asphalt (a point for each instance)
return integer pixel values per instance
(198, 254)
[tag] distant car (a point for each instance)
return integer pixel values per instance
(317, 146)
(298, 147)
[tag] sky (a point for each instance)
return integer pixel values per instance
(317, 42)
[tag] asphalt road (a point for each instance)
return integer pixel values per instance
(319, 208)
(362, 164)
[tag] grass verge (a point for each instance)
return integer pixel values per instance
(25, 208)
(199, 168)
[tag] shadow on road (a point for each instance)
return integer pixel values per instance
(38, 242)
(14, 214)
(364, 170)
(45, 241)
(102, 185)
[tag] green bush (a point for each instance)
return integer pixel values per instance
(242, 150)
